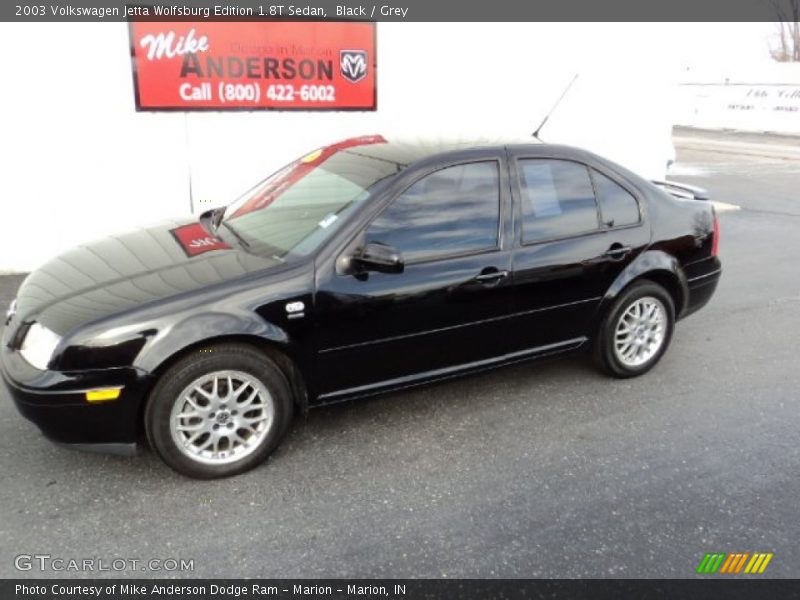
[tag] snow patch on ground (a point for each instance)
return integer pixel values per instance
(724, 206)
(687, 171)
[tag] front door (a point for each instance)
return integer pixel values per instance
(446, 309)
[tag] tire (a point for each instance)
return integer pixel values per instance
(219, 411)
(642, 339)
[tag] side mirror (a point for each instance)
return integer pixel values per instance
(378, 257)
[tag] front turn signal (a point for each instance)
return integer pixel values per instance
(103, 395)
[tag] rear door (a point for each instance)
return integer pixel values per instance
(447, 308)
(577, 227)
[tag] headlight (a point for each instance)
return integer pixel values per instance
(38, 345)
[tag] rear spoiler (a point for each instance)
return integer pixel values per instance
(681, 190)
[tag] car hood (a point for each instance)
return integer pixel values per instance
(119, 272)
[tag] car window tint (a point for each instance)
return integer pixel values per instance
(451, 211)
(617, 206)
(557, 199)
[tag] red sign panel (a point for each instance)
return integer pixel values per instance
(251, 65)
(194, 239)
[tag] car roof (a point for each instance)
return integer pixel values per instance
(407, 150)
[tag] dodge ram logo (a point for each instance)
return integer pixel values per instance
(353, 64)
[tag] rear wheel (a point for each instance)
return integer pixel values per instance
(219, 411)
(636, 330)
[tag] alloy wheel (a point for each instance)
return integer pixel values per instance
(640, 331)
(221, 417)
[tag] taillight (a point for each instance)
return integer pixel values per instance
(715, 241)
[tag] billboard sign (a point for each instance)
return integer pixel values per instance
(289, 65)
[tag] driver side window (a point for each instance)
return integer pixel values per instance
(452, 211)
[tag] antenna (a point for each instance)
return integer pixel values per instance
(552, 110)
(188, 160)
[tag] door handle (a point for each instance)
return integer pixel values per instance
(491, 277)
(617, 252)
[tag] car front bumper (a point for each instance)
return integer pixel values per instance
(56, 402)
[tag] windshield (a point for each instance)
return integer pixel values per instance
(296, 209)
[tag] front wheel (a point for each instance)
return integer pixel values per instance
(636, 330)
(219, 411)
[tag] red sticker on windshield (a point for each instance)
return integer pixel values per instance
(195, 239)
(295, 171)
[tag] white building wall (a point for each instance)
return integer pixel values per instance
(753, 97)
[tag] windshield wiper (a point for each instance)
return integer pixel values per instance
(243, 241)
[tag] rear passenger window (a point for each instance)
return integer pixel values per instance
(557, 199)
(617, 206)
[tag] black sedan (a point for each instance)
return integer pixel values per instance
(365, 266)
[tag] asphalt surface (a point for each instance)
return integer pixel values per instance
(538, 470)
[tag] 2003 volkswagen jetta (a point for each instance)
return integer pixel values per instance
(365, 266)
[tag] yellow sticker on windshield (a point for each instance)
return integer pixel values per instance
(312, 156)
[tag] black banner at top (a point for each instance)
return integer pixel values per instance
(400, 10)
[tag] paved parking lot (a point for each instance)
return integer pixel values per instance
(545, 470)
